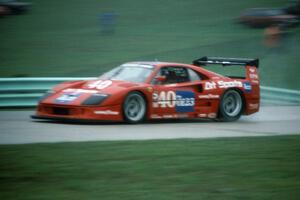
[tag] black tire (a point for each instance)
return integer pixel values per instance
(231, 106)
(134, 108)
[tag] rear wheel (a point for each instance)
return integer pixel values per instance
(134, 108)
(231, 106)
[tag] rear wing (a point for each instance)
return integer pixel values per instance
(226, 61)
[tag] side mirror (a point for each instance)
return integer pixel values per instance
(161, 79)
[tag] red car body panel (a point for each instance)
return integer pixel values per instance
(197, 99)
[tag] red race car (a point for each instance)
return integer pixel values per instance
(138, 91)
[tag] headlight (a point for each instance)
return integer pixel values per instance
(95, 99)
(47, 94)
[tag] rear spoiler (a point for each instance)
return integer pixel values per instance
(226, 61)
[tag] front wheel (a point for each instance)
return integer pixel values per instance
(134, 108)
(231, 106)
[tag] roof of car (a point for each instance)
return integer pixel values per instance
(155, 63)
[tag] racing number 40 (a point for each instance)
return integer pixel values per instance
(164, 99)
(100, 84)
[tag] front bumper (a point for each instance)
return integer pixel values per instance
(78, 113)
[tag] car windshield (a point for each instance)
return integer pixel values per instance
(136, 73)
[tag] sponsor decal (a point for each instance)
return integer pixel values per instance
(182, 101)
(155, 116)
(149, 89)
(252, 70)
(228, 84)
(255, 81)
(247, 87)
(209, 96)
(253, 76)
(80, 91)
(185, 101)
(253, 106)
(222, 84)
(100, 84)
(202, 115)
(137, 65)
(169, 116)
(106, 112)
(67, 98)
(210, 85)
(212, 115)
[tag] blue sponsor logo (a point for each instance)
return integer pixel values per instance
(247, 87)
(67, 98)
(185, 101)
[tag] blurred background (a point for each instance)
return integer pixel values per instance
(62, 38)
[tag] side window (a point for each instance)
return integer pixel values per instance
(194, 76)
(174, 74)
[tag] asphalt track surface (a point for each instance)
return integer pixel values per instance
(18, 128)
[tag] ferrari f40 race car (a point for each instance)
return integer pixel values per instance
(138, 91)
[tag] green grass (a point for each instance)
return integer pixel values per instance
(233, 168)
(63, 37)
